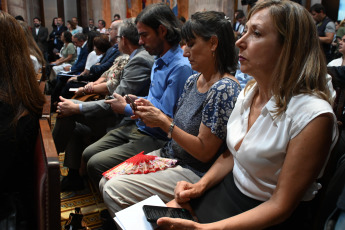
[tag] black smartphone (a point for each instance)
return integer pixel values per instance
(131, 102)
(153, 213)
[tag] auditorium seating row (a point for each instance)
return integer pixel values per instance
(48, 169)
(47, 172)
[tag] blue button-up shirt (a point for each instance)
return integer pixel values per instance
(168, 76)
(243, 78)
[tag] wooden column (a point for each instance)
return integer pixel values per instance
(106, 12)
(43, 21)
(3, 6)
(61, 9)
(90, 12)
(183, 6)
(82, 13)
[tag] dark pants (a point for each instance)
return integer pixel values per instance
(226, 200)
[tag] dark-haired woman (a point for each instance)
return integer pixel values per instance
(68, 55)
(21, 104)
(198, 130)
(72, 27)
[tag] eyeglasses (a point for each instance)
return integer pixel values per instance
(110, 29)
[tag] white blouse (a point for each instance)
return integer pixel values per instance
(336, 62)
(258, 161)
(92, 59)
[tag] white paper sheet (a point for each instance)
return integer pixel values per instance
(133, 217)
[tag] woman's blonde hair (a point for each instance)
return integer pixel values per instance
(18, 84)
(301, 67)
(33, 48)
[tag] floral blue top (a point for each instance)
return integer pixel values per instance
(212, 108)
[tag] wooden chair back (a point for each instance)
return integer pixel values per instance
(47, 180)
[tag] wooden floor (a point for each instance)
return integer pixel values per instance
(88, 199)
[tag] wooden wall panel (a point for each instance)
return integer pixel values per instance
(3, 5)
(106, 12)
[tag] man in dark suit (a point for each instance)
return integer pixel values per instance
(91, 120)
(55, 44)
(40, 34)
(80, 41)
(90, 28)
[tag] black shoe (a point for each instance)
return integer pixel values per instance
(72, 183)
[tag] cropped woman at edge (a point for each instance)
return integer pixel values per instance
(280, 132)
(199, 126)
(21, 104)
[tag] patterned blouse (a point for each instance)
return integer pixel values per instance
(114, 73)
(212, 108)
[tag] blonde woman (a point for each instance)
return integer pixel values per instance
(280, 132)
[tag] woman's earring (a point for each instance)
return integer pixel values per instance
(213, 53)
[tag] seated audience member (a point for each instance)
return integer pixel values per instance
(242, 78)
(101, 27)
(116, 17)
(92, 58)
(340, 30)
(68, 55)
(79, 28)
(72, 27)
(241, 19)
(35, 52)
(339, 61)
(237, 23)
(101, 46)
(54, 22)
(79, 40)
(199, 127)
(19, 18)
(99, 68)
(81, 123)
(159, 31)
(107, 59)
(21, 104)
(108, 82)
(90, 27)
(279, 134)
(325, 29)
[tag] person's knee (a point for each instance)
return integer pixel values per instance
(115, 193)
(89, 152)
